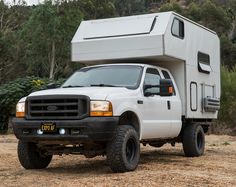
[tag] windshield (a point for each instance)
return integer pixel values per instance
(106, 76)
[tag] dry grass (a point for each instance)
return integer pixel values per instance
(165, 166)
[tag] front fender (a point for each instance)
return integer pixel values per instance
(120, 108)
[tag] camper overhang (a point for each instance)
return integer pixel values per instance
(120, 38)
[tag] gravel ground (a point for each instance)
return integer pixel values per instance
(164, 166)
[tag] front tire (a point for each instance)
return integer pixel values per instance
(30, 158)
(193, 140)
(123, 152)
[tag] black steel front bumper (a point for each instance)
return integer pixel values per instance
(95, 129)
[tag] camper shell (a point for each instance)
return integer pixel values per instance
(189, 50)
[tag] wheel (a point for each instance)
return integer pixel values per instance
(123, 152)
(30, 158)
(193, 140)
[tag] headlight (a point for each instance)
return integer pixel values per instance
(100, 108)
(20, 110)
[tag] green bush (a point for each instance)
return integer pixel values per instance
(227, 114)
(13, 91)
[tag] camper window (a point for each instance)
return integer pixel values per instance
(204, 63)
(178, 28)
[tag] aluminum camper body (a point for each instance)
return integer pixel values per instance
(190, 51)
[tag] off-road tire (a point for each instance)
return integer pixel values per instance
(30, 158)
(123, 152)
(193, 140)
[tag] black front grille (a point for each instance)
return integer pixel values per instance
(57, 107)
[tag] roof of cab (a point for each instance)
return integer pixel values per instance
(127, 64)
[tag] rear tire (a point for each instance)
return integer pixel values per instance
(123, 152)
(193, 140)
(30, 157)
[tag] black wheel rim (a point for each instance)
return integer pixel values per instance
(130, 149)
(199, 140)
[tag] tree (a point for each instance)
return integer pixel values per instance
(215, 17)
(94, 9)
(11, 20)
(232, 14)
(172, 6)
(129, 7)
(194, 12)
(47, 36)
(42, 34)
(228, 52)
(49, 30)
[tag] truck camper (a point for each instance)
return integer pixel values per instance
(150, 79)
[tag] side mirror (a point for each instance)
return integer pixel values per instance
(166, 87)
(51, 86)
(148, 86)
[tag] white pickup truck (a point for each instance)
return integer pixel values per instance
(157, 82)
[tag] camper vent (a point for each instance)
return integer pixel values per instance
(211, 104)
(204, 63)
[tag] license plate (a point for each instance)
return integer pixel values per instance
(48, 127)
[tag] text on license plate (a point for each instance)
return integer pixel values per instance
(48, 127)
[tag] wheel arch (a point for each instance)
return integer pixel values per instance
(132, 119)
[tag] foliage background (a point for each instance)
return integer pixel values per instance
(35, 43)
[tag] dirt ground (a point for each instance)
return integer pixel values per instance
(164, 166)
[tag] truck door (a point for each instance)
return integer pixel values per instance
(174, 107)
(156, 115)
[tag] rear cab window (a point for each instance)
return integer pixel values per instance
(166, 75)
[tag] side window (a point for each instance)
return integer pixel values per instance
(167, 76)
(204, 63)
(177, 28)
(152, 77)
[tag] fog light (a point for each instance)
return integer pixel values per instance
(62, 131)
(39, 132)
(75, 131)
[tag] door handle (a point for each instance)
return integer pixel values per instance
(140, 102)
(168, 105)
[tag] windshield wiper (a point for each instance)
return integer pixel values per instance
(104, 85)
(72, 86)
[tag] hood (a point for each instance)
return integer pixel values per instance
(95, 93)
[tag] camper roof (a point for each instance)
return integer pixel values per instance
(129, 37)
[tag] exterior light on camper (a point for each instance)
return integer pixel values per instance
(101, 108)
(20, 110)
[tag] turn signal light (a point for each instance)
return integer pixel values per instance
(171, 91)
(99, 113)
(20, 110)
(20, 114)
(101, 108)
